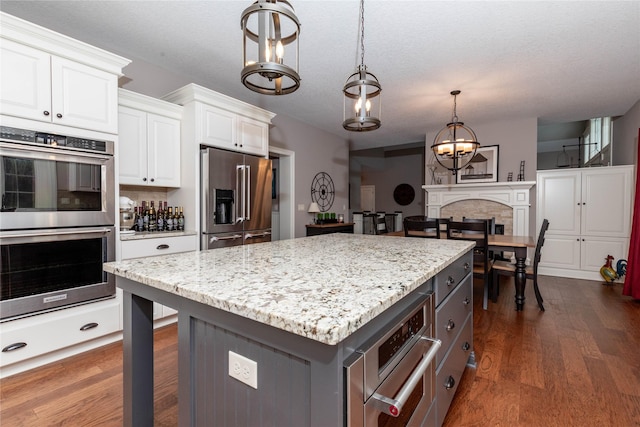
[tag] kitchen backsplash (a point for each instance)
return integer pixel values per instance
(140, 193)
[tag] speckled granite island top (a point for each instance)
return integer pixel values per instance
(322, 287)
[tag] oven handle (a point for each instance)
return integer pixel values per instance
(60, 233)
(393, 406)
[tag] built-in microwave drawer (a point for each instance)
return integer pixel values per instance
(451, 314)
(449, 374)
(162, 245)
(447, 280)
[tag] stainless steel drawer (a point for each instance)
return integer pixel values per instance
(447, 280)
(451, 315)
(449, 374)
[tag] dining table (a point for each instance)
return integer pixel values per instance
(501, 242)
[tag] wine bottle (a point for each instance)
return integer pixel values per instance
(169, 220)
(153, 225)
(145, 216)
(181, 220)
(160, 216)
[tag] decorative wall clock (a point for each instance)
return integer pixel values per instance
(322, 191)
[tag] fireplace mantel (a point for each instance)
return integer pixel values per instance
(515, 194)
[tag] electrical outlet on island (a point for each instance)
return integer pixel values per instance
(243, 369)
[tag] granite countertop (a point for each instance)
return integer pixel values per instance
(322, 287)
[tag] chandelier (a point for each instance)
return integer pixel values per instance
(271, 30)
(362, 100)
(456, 144)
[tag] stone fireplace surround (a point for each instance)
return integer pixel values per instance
(513, 194)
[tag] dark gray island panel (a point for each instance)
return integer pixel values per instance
(300, 379)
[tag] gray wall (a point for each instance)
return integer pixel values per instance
(625, 137)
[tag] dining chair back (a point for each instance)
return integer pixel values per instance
(380, 224)
(477, 231)
(427, 227)
(506, 268)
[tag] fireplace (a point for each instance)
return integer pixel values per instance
(508, 202)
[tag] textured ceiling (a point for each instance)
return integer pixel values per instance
(560, 61)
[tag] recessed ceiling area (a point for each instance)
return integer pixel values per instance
(558, 61)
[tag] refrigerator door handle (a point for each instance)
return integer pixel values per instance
(217, 239)
(240, 191)
(248, 185)
(252, 235)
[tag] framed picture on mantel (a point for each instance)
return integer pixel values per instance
(482, 168)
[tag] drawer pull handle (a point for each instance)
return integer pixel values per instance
(162, 246)
(466, 301)
(466, 346)
(466, 266)
(14, 346)
(450, 325)
(89, 326)
(449, 383)
(450, 281)
(393, 405)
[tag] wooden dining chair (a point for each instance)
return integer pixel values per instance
(429, 227)
(477, 231)
(506, 268)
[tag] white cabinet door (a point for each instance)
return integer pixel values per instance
(83, 96)
(132, 146)
(606, 202)
(594, 251)
(561, 252)
(163, 145)
(219, 128)
(25, 81)
(254, 136)
(559, 202)
(149, 149)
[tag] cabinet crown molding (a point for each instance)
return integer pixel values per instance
(127, 98)
(27, 33)
(195, 93)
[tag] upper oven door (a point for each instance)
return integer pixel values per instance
(45, 187)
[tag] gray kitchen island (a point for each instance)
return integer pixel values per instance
(293, 316)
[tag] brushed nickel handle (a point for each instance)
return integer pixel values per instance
(393, 406)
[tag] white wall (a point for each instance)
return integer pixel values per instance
(625, 137)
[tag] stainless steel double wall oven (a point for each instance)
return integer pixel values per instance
(56, 222)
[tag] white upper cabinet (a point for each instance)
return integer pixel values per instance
(51, 78)
(224, 122)
(149, 141)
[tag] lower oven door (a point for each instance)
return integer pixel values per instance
(405, 396)
(47, 269)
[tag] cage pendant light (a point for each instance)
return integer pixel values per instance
(270, 37)
(456, 144)
(362, 94)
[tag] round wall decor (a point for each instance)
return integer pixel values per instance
(404, 194)
(322, 191)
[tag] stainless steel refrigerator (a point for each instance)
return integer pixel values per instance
(235, 200)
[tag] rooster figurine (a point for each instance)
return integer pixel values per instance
(607, 272)
(621, 267)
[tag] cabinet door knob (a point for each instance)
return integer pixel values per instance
(46, 113)
(144, 179)
(450, 325)
(59, 115)
(153, 179)
(450, 281)
(449, 383)
(466, 301)
(466, 346)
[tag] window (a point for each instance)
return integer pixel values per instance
(597, 137)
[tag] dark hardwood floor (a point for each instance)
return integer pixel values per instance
(577, 364)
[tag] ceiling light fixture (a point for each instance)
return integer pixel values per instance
(456, 144)
(362, 100)
(271, 31)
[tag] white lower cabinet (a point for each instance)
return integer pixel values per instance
(37, 340)
(158, 245)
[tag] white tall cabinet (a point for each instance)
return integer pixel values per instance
(589, 213)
